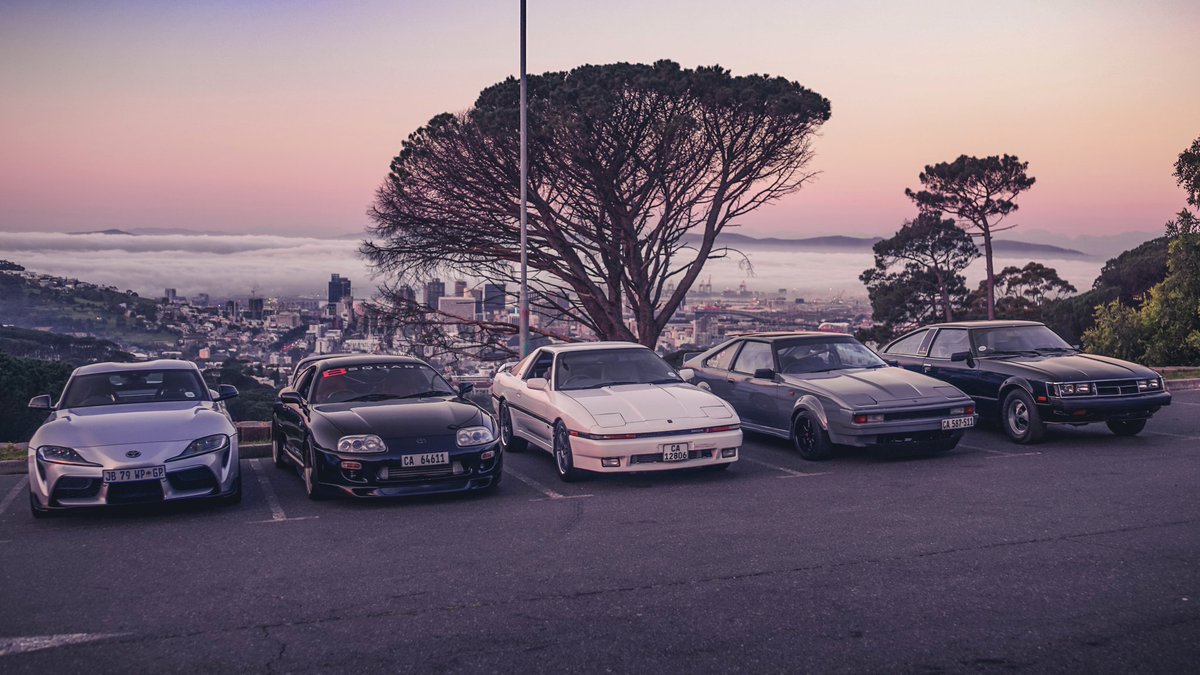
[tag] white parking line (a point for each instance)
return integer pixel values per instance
(1184, 403)
(1163, 433)
(277, 514)
(1012, 454)
(790, 473)
(550, 494)
(998, 453)
(12, 494)
(21, 645)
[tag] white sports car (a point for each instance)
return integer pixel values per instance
(131, 433)
(612, 406)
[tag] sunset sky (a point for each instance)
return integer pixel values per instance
(281, 117)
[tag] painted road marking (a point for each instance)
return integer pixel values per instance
(21, 645)
(790, 473)
(277, 514)
(12, 494)
(550, 494)
(997, 453)
(1163, 433)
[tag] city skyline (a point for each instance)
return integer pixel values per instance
(280, 118)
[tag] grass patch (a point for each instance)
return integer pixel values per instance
(12, 451)
(1182, 374)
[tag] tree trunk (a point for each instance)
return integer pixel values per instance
(945, 293)
(991, 276)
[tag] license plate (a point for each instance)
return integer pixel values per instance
(958, 423)
(675, 452)
(425, 459)
(131, 475)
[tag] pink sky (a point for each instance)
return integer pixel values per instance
(276, 117)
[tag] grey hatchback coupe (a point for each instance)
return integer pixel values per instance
(825, 389)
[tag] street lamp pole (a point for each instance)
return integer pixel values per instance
(523, 309)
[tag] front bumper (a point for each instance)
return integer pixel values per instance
(922, 433)
(382, 475)
(1101, 408)
(645, 454)
(71, 486)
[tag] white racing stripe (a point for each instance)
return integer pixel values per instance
(790, 473)
(550, 494)
(21, 645)
(12, 494)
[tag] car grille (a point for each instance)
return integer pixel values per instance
(924, 414)
(195, 478)
(398, 472)
(1117, 387)
(135, 493)
(656, 457)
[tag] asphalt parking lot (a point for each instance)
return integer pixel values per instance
(1079, 554)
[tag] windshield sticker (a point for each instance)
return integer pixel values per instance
(334, 372)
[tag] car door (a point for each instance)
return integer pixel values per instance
(530, 407)
(938, 362)
(714, 371)
(293, 417)
(754, 398)
(909, 351)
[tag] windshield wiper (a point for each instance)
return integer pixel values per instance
(665, 380)
(430, 392)
(1055, 350)
(372, 397)
(1011, 352)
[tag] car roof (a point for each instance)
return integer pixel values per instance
(586, 346)
(771, 336)
(997, 323)
(156, 364)
(343, 360)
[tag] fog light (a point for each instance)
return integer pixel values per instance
(487, 455)
(729, 452)
(353, 466)
(610, 462)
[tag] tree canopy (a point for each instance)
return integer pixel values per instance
(624, 160)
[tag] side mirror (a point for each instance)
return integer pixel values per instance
(225, 392)
(687, 374)
(290, 397)
(764, 374)
(42, 402)
(892, 362)
(465, 388)
(537, 383)
(960, 356)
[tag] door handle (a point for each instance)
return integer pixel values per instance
(927, 367)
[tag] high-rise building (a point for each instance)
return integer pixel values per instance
(493, 298)
(460, 288)
(256, 308)
(461, 307)
(435, 290)
(406, 294)
(339, 289)
(170, 295)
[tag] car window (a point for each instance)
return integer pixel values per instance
(754, 355)
(134, 386)
(378, 382)
(948, 342)
(304, 380)
(909, 344)
(723, 359)
(518, 370)
(541, 366)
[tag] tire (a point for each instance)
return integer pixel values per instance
(37, 511)
(564, 460)
(809, 439)
(314, 490)
(1126, 427)
(278, 454)
(509, 441)
(1020, 418)
(234, 497)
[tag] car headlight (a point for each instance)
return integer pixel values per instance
(57, 454)
(361, 443)
(205, 445)
(474, 436)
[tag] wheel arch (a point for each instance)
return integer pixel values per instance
(810, 404)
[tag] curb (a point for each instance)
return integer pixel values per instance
(257, 451)
(1183, 385)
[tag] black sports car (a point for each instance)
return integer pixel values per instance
(1029, 377)
(381, 426)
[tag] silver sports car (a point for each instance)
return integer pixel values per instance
(128, 433)
(823, 389)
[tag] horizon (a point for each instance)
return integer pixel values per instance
(265, 118)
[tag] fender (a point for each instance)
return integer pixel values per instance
(812, 404)
(1017, 380)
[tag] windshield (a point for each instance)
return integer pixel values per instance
(608, 367)
(378, 382)
(819, 356)
(135, 386)
(1018, 339)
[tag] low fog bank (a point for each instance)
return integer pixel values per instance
(272, 265)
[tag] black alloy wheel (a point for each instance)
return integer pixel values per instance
(809, 439)
(1021, 419)
(1126, 427)
(509, 441)
(563, 459)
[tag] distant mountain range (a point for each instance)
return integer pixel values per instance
(1005, 247)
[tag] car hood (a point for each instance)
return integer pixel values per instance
(635, 403)
(98, 426)
(1072, 367)
(396, 419)
(877, 386)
